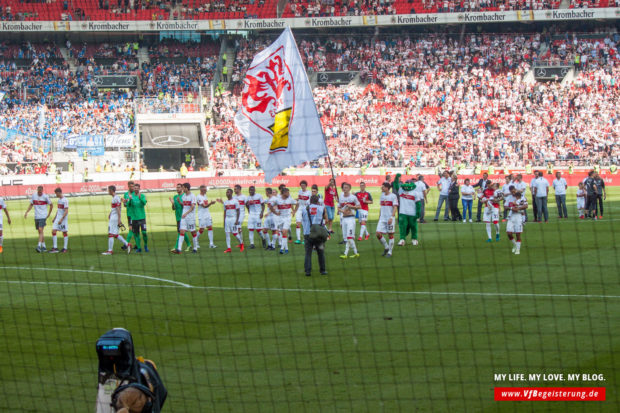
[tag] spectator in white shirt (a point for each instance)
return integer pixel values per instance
(540, 189)
(444, 189)
(560, 186)
(467, 198)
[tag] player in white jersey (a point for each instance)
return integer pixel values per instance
(516, 204)
(114, 223)
(303, 200)
(188, 219)
(256, 209)
(231, 220)
(284, 209)
(520, 186)
(387, 218)
(242, 200)
(60, 222)
(347, 205)
(581, 202)
(270, 220)
(8, 220)
(491, 197)
(204, 216)
(41, 202)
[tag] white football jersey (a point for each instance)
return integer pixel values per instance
(201, 204)
(231, 206)
(63, 204)
(387, 203)
(40, 205)
(303, 198)
(284, 206)
(189, 200)
(242, 200)
(512, 201)
(116, 202)
(255, 203)
(350, 200)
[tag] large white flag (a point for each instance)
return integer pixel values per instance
(278, 116)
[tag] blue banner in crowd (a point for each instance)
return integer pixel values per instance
(93, 144)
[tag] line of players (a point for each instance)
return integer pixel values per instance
(276, 209)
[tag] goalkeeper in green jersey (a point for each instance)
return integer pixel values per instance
(135, 206)
(130, 185)
(177, 207)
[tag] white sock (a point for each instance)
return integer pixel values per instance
(362, 230)
(121, 239)
(210, 234)
(228, 240)
(66, 242)
(488, 231)
(110, 243)
(518, 245)
(196, 241)
(496, 228)
(353, 246)
(283, 241)
(55, 241)
(513, 241)
(346, 248)
(391, 245)
(251, 236)
(383, 241)
(180, 242)
(298, 232)
(267, 238)
(239, 237)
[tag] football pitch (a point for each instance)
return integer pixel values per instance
(425, 330)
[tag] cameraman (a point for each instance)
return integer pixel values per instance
(314, 214)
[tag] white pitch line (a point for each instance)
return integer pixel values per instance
(310, 290)
(146, 277)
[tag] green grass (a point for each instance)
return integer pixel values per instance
(423, 331)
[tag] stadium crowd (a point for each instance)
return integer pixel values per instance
(420, 102)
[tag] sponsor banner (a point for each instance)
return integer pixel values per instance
(551, 72)
(314, 22)
(170, 136)
(340, 78)
(119, 141)
(245, 181)
(120, 81)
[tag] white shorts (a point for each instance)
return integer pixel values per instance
(205, 222)
(299, 214)
(188, 224)
(384, 228)
(241, 217)
(491, 215)
(270, 222)
(283, 223)
(60, 226)
(515, 224)
(113, 227)
(581, 204)
(348, 228)
(254, 222)
(230, 226)
(362, 215)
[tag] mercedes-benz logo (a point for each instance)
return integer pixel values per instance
(541, 72)
(170, 141)
(323, 77)
(352, 75)
(564, 71)
(130, 80)
(98, 80)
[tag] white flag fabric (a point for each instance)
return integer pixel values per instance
(278, 116)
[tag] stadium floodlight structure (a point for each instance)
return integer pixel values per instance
(170, 127)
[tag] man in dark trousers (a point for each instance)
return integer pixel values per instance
(482, 184)
(313, 214)
(591, 193)
(600, 195)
